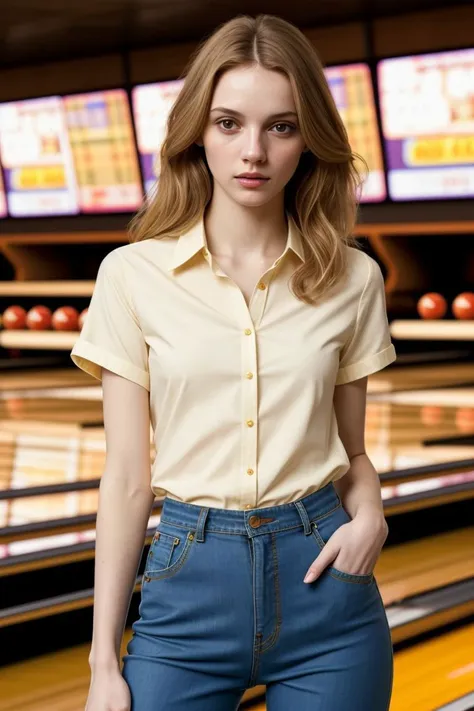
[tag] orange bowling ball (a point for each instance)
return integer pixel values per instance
(432, 305)
(82, 318)
(14, 318)
(65, 318)
(39, 318)
(463, 305)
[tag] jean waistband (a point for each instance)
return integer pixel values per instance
(251, 522)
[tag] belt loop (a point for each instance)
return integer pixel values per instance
(304, 516)
(201, 523)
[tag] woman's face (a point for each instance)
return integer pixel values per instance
(263, 137)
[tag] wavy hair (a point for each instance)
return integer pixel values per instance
(323, 194)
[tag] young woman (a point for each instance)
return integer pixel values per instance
(241, 322)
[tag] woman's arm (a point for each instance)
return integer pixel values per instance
(359, 489)
(355, 546)
(125, 501)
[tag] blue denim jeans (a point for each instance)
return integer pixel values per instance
(224, 608)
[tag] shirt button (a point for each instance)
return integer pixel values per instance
(249, 423)
(250, 471)
(249, 375)
(248, 506)
(262, 285)
(248, 331)
(205, 252)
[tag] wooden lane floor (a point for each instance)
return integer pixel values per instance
(430, 676)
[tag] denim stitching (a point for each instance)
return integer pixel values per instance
(271, 640)
(177, 565)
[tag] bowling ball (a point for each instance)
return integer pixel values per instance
(39, 318)
(431, 415)
(14, 318)
(65, 318)
(82, 318)
(463, 305)
(464, 419)
(432, 305)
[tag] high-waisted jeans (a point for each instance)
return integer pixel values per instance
(224, 608)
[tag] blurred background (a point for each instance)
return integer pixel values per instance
(85, 90)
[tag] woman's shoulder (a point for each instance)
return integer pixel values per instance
(360, 265)
(155, 252)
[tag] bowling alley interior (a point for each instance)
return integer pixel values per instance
(84, 93)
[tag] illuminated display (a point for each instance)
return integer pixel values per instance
(427, 107)
(36, 157)
(3, 200)
(151, 107)
(351, 87)
(105, 160)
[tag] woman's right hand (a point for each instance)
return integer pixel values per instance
(108, 691)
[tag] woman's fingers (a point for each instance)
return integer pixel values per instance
(326, 557)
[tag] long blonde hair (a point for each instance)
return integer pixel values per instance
(323, 194)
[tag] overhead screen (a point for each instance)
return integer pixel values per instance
(427, 108)
(151, 107)
(351, 87)
(3, 199)
(66, 155)
(36, 158)
(105, 161)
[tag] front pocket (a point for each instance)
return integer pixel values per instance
(168, 552)
(322, 530)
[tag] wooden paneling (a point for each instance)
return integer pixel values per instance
(424, 31)
(159, 63)
(414, 32)
(340, 43)
(62, 77)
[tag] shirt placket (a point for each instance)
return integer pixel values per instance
(249, 319)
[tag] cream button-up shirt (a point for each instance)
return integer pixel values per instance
(241, 397)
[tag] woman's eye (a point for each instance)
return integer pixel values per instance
(287, 125)
(222, 121)
(231, 121)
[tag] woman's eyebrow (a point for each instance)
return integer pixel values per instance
(237, 113)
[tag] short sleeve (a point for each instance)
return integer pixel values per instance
(370, 348)
(111, 336)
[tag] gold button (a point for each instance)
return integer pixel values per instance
(248, 506)
(262, 285)
(249, 471)
(247, 331)
(249, 375)
(249, 423)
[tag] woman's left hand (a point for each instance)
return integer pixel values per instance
(354, 548)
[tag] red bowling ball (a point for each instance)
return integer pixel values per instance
(65, 318)
(463, 305)
(39, 318)
(14, 318)
(432, 305)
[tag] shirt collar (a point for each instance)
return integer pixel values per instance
(194, 241)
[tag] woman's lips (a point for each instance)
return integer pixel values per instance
(252, 182)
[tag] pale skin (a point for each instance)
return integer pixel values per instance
(246, 231)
